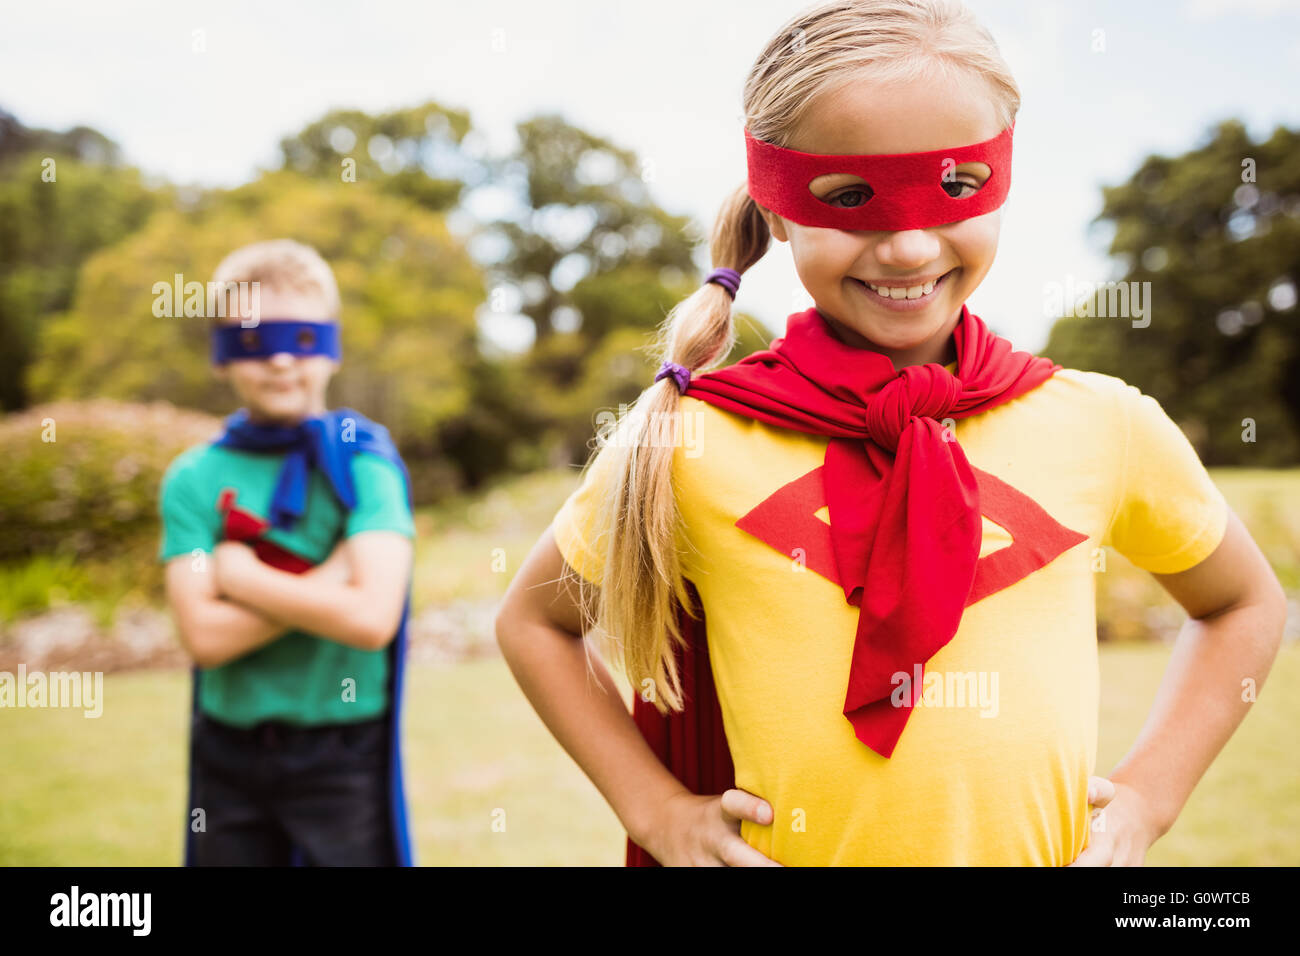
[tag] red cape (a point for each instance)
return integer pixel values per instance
(692, 744)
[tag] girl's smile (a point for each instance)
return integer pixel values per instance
(902, 295)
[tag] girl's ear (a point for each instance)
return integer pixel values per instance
(775, 224)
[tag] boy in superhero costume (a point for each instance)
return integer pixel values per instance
(288, 545)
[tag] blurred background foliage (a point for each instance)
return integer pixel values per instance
(1216, 233)
(409, 291)
(420, 155)
(82, 478)
(578, 257)
(48, 233)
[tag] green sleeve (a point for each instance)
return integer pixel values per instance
(188, 524)
(381, 497)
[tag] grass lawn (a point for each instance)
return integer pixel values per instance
(1246, 809)
(111, 791)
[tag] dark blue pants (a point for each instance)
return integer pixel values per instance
(276, 794)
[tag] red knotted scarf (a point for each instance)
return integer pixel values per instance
(904, 514)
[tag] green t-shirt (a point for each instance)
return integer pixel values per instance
(299, 677)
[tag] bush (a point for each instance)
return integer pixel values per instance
(94, 486)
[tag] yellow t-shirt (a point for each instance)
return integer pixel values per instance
(992, 768)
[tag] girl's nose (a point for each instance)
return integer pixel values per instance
(908, 248)
(281, 359)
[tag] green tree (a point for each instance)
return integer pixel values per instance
(82, 143)
(420, 153)
(409, 293)
(597, 265)
(586, 212)
(1216, 233)
(62, 197)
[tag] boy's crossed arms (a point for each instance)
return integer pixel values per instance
(234, 603)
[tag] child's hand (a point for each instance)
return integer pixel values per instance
(1120, 830)
(694, 830)
(231, 560)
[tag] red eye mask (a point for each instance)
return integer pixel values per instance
(906, 188)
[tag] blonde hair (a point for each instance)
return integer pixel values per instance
(284, 265)
(816, 52)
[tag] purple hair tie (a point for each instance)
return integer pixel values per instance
(729, 279)
(680, 373)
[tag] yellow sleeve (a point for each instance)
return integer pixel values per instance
(575, 524)
(1169, 515)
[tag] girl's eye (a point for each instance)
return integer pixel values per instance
(851, 198)
(954, 188)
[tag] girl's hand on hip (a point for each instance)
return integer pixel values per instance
(1119, 831)
(695, 830)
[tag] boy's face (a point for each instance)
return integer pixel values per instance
(282, 389)
(838, 266)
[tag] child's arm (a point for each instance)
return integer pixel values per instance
(215, 631)
(1237, 612)
(362, 611)
(540, 633)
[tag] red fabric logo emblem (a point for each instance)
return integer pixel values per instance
(787, 520)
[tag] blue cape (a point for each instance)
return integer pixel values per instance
(326, 442)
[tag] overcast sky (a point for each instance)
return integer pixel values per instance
(662, 79)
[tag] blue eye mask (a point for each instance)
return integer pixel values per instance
(271, 337)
